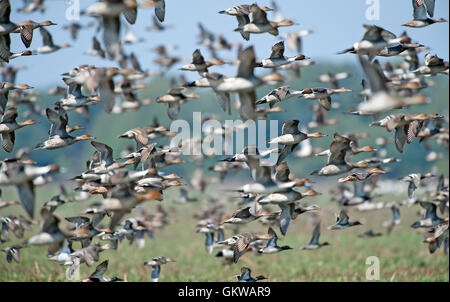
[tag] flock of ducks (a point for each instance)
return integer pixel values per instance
(136, 176)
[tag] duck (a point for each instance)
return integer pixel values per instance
(156, 263)
(247, 214)
(107, 162)
(139, 134)
(27, 28)
(430, 218)
(16, 224)
(103, 80)
(48, 44)
(13, 252)
(277, 95)
(73, 28)
(96, 50)
(291, 137)
(259, 23)
(342, 222)
(247, 277)
(244, 84)
(15, 55)
(110, 11)
(241, 242)
(157, 26)
(336, 158)
(209, 230)
(184, 198)
(413, 181)
(381, 99)
(5, 88)
(241, 13)
(160, 9)
(271, 246)
(58, 136)
(421, 10)
(436, 236)
(294, 39)
(314, 243)
(75, 100)
(369, 234)
(130, 37)
(375, 38)
(334, 78)
(50, 233)
(56, 201)
(433, 65)
(89, 255)
(174, 98)
(97, 275)
(63, 254)
(199, 64)
(407, 126)
(361, 176)
(278, 59)
(320, 117)
(32, 6)
(286, 196)
(8, 126)
(395, 210)
(323, 95)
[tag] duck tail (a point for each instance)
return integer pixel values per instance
(261, 101)
(351, 49)
(38, 146)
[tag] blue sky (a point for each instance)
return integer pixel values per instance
(336, 25)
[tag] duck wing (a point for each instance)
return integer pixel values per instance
(26, 34)
(315, 235)
(47, 39)
(277, 51)
(241, 246)
(130, 13)
(111, 35)
(27, 196)
(343, 217)
(285, 218)
(248, 105)
(135, 63)
(413, 129)
(8, 139)
(100, 270)
(290, 127)
(242, 20)
(247, 63)
(400, 138)
(419, 10)
(288, 149)
(160, 10)
(106, 152)
(10, 115)
(282, 172)
(375, 76)
(173, 110)
(5, 44)
(197, 58)
(258, 15)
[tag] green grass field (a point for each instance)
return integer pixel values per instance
(402, 255)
